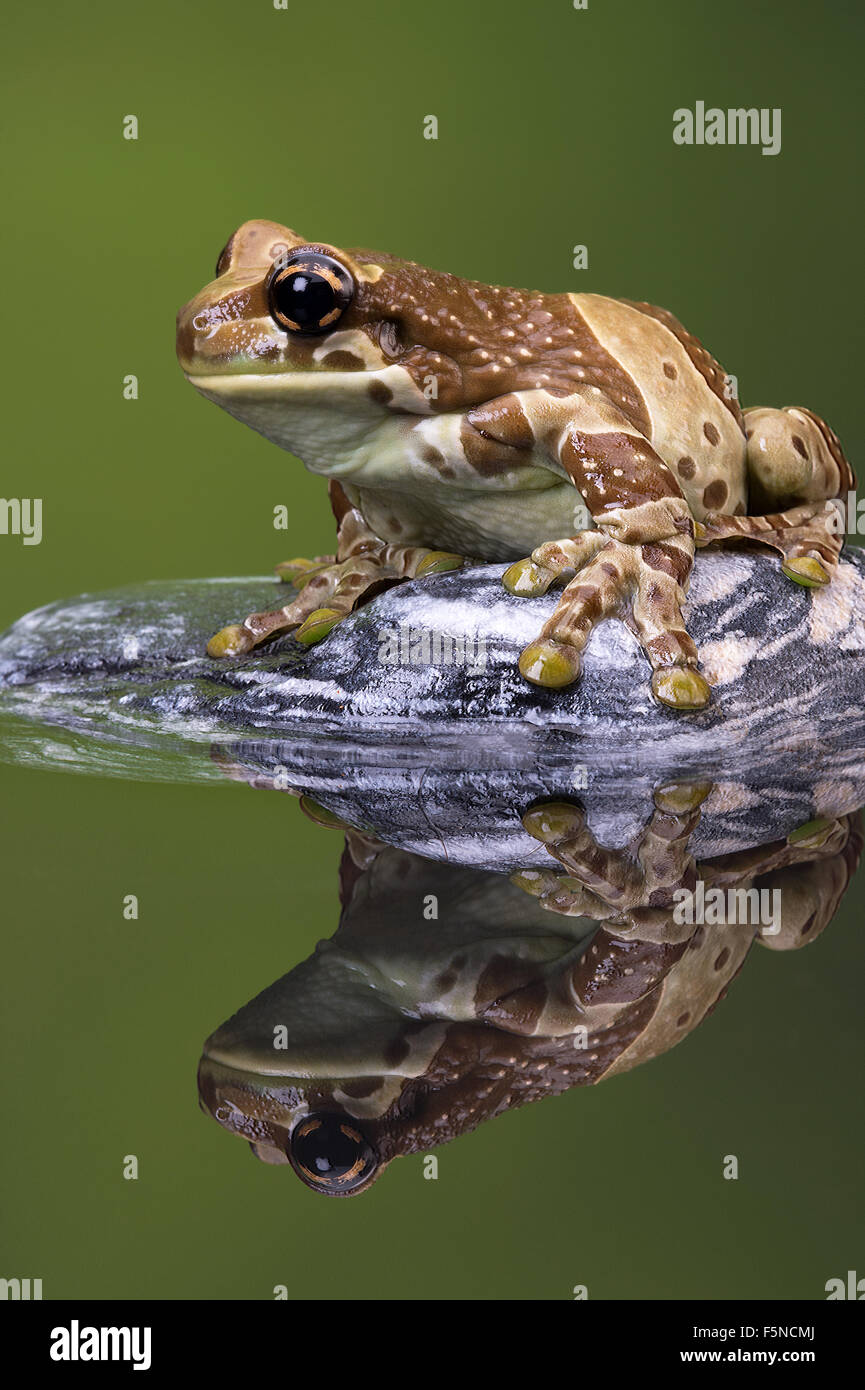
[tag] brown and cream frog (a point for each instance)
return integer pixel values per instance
(590, 443)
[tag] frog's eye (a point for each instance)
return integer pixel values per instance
(330, 1154)
(224, 256)
(307, 292)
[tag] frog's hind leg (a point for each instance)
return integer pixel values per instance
(797, 471)
(332, 586)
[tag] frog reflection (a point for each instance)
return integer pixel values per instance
(449, 995)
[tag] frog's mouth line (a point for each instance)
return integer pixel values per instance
(279, 1101)
(402, 393)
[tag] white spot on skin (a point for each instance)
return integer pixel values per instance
(350, 340)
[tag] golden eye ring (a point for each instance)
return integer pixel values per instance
(308, 291)
(331, 1154)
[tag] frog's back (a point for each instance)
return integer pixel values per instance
(687, 408)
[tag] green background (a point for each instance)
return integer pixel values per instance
(555, 128)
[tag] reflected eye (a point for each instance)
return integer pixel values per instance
(331, 1154)
(308, 291)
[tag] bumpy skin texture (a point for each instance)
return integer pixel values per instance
(591, 442)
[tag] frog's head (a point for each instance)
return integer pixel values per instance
(393, 1038)
(314, 346)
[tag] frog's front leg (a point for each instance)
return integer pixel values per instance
(332, 586)
(636, 566)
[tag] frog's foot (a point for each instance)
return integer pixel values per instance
(642, 584)
(330, 590)
(809, 538)
(644, 874)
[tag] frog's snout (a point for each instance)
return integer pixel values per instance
(184, 336)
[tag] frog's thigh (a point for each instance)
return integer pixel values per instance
(792, 456)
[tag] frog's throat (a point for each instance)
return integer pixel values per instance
(324, 417)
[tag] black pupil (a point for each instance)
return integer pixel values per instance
(328, 1150)
(304, 297)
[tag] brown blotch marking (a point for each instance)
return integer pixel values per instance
(396, 1051)
(609, 570)
(799, 445)
(430, 454)
(479, 1071)
(686, 466)
(715, 495)
(591, 461)
(379, 392)
(486, 456)
(668, 559)
(722, 959)
(740, 509)
(622, 971)
(363, 1086)
(711, 432)
(342, 361)
(339, 503)
(480, 341)
(446, 980)
(683, 1019)
(521, 1008)
(501, 978)
(505, 420)
(670, 371)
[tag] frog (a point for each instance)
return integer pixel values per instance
(400, 1034)
(588, 444)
